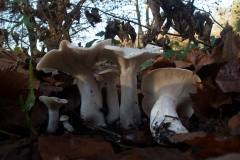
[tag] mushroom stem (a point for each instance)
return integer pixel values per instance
(112, 101)
(53, 120)
(68, 126)
(164, 120)
(91, 100)
(129, 99)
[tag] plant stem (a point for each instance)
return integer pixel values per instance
(10, 134)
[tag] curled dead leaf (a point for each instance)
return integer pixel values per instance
(228, 78)
(208, 144)
(198, 58)
(234, 124)
(201, 104)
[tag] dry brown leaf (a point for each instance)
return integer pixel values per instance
(49, 80)
(226, 30)
(7, 64)
(67, 147)
(231, 47)
(220, 99)
(234, 124)
(160, 62)
(13, 84)
(205, 85)
(208, 144)
(182, 64)
(217, 53)
(198, 58)
(25, 72)
(201, 104)
(228, 78)
(9, 55)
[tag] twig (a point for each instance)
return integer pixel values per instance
(205, 44)
(10, 134)
(91, 125)
(9, 55)
(210, 15)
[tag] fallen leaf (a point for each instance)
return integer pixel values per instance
(201, 104)
(220, 99)
(228, 78)
(160, 62)
(231, 47)
(208, 144)
(234, 124)
(13, 84)
(198, 58)
(70, 146)
(227, 157)
(205, 85)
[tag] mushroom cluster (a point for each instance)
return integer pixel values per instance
(166, 92)
(53, 104)
(79, 62)
(129, 61)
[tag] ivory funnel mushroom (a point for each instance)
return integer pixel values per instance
(64, 119)
(166, 94)
(79, 62)
(53, 104)
(129, 61)
(110, 74)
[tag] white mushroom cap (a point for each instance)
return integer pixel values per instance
(72, 59)
(53, 104)
(129, 61)
(166, 93)
(110, 74)
(64, 118)
(173, 81)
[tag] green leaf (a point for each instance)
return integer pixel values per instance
(27, 22)
(176, 43)
(169, 54)
(31, 97)
(89, 44)
(181, 54)
(146, 64)
(115, 42)
(100, 34)
(21, 102)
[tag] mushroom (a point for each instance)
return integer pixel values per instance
(166, 92)
(79, 62)
(64, 119)
(53, 104)
(110, 74)
(129, 61)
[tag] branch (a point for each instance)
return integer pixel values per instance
(6, 20)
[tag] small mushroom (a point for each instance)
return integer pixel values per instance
(129, 61)
(110, 74)
(166, 94)
(64, 119)
(53, 104)
(79, 62)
